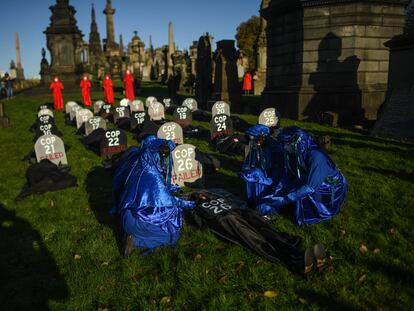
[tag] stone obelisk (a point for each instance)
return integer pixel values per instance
(19, 68)
(171, 48)
(110, 30)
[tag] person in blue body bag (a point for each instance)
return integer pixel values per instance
(150, 215)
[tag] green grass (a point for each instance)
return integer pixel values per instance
(40, 236)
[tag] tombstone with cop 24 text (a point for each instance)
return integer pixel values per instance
(171, 131)
(220, 107)
(156, 111)
(113, 142)
(82, 116)
(191, 103)
(97, 106)
(93, 124)
(138, 118)
(186, 167)
(120, 113)
(183, 116)
(269, 117)
(137, 105)
(221, 125)
(51, 147)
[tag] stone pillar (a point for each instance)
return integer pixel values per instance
(171, 48)
(19, 67)
(110, 30)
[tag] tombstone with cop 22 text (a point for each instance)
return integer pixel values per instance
(44, 112)
(150, 100)
(82, 116)
(138, 118)
(69, 105)
(120, 113)
(171, 131)
(221, 125)
(74, 111)
(93, 124)
(113, 142)
(51, 147)
(156, 111)
(183, 116)
(97, 106)
(186, 167)
(191, 103)
(136, 105)
(220, 107)
(125, 102)
(269, 117)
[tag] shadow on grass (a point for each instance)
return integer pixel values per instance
(99, 188)
(396, 274)
(29, 274)
(325, 301)
(386, 172)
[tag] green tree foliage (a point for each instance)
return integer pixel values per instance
(246, 36)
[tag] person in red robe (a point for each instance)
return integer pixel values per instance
(247, 83)
(56, 86)
(108, 90)
(86, 91)
(129, 85)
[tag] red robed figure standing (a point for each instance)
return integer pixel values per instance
(129, 85)
(86, 91)
(108, 90)
(56, 86)
(247, 82)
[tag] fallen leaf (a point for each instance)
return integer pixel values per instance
(52, 203)
(331, 257)
(270, 294)
(105, 263)
(363, 248)
(363, 278)
(198, 257)
(77, 257)
(392, 231)
(343, 232)
(302, 301)
(376, 251)
(165, 300)
(223, 280)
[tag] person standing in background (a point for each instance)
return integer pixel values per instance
(8, 81)
(108, 87)
(247, 83)
(56, 86)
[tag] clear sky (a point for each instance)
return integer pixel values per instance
(191, 18)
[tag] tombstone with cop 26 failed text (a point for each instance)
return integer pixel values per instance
(138, 118)
(269, 117)
(171, 131)
(220, 107)
(93, 124)
(113, 142)
(186, 167)
(156, 111)
(183, 116)
(120, 113)
(82, 116)
(51, 147)
(221, 125)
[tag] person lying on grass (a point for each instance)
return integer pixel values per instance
(150, 215)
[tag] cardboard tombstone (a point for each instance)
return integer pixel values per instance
(269, 117)
(136, 105)
(45, 119)
(121, 112)
(125, 102)
(167, 102)
(93, 124)
(51, 147)
(156, 111)
(183, 116)
(44, 112)
(97, 106)
(69, 106)
(171, 131)
(106, 111)
(137, 118)
(191, 103)
(45, 106)
(221, 125)
(46, 129)
(150, 100)
(74, 111)
(220, 107)
(113, 142)
(186, 167)
(83, 115)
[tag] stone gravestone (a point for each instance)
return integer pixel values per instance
(150, 100)
(114, 142)
(167, 102)
(125, 102)
(52, 148)
(171, 131)
(69, 106)
(138, 118)
(74, 111)
(137, 105)
(97, 106)
(191, 103)
(221, 125)
(186, 167)
(156, 111)
(269, 117)
(93, 124)
(120, 113)
(83, 115)
(44, 112)
(183, 116)
(220, 107)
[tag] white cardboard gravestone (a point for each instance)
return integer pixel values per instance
(269, 117)
(186, 167)
(93, 124)
(171, 131)
(69, 106)
(106, 111)
(220, 107)
(125, 102)
(51, 147)
(114, 142)
(150, 100)
(44, 112)
(137, 105)
(82, 116)
(97, 106)
(74, 111)
(167, 102)
(42, 107)
(138, 118)
(156, 111)
(191, 103)
(183, 116)
(121, 112)
(221, 125)
(45, 119)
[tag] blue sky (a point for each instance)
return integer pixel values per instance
(191, 18)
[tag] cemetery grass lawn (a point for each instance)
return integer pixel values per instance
(60, 250)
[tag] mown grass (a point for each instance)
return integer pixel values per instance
(40, 236)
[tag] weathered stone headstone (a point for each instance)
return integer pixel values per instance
(167, 102)
(121, 112)
(97, 106)
(269, 117)
(186, 167)
(44, 112)
(83, 115)
(114, 142)
(4, 120)
(150, 100)
(156, 111)
(191, 103)
(138, 118)
(125, 102)
(220, 107)
(183, 116)
(171, 131)
(137, 105)
(93, 124)
(52, 148)
(69, 106)
(74, 111)
(221, 125)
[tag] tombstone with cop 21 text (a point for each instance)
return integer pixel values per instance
(82, 116)
(171, 131)
(51, 147)
(113, 142)
(220, 107)
(269, 117)
(183, 116)
(156, 111)
(191, 103)
(120, 113)
(186, 167)
(93, 124)
(221, 125)
(138, 118)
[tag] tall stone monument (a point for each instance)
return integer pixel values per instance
(260, 49)
(110, 29)
(96, 57)
(19, 67)
(204, 71)
(45, 78)
(64, 41)
(171, 48)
